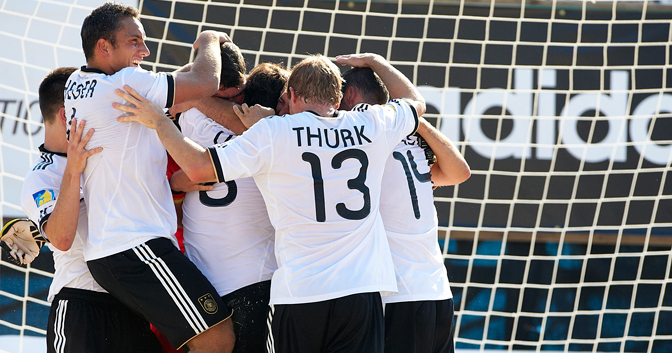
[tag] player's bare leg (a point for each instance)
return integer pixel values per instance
(217, 339)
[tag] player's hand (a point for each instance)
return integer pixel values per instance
(181, 182)
(22, 240)
(358, 60)
(206, 35)
(250, 115)
(77, 155)
(141, 110)
(182, 107)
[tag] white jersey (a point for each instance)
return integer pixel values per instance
(320, 178)
(409, 216)
(125, 186)
(38, 198)
(227, 233)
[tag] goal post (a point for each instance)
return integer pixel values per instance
(562, 237)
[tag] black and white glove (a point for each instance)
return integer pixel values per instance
(22, 240)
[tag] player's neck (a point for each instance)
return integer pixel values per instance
(325, 110)
(54, 140)
(100, 65)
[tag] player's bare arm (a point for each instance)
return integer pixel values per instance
(185, 68)
(61, 227)
(450, 167)
(181, 182)
(397, 84)
(192, 158)
(250, 115)
(202, 78)
(218, 109)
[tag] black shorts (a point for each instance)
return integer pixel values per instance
(250, 312)
(352, 324)
(87, 321)
(422, 327)
(157, 281)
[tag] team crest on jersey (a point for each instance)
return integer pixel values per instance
(208, 303)
(43, 196)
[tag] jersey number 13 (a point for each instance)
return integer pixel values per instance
(354, 184)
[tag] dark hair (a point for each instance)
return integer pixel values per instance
(369, 85)
(103, 22)
(264, 85)
(233, 66)
(51, 92)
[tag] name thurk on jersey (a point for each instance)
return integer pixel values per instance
(73, 90)
(332, 138)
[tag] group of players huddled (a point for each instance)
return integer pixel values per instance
(308, 220)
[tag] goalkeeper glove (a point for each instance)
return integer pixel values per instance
(22, 240)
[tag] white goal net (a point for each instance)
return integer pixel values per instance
(561, 239)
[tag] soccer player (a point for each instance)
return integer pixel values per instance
(419, 318)
(131, 251)
(83, 316)
(227, 232)
(319, 171)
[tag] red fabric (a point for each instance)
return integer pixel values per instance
(180, 238)
(165, 346)
(172, 168)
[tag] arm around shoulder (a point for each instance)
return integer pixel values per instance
(450, 167)
(397, 84)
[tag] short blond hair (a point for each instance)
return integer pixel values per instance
(317, 80)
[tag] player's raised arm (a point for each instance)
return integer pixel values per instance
(61, 227)
(202, 78)
(397, 84)
(192, 158)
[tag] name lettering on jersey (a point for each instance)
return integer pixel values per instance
(73, 90)
(332, 138)
(43, 196)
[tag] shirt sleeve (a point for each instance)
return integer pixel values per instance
(158, 87)
(405, 118)
(399, 117)
(38, 205)
(245, 156)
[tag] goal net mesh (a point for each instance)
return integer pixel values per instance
(561, 239)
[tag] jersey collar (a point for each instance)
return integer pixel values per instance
(44, 150)
(335, 115)
(89, 70)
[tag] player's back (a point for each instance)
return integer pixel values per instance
(320, 178)
(408, 213)
(125, 186)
